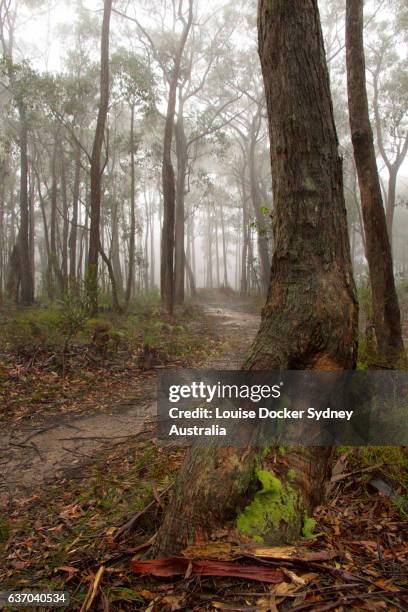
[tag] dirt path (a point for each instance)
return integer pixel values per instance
(31, 455)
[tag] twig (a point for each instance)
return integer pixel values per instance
(130, 524)
(90, 596)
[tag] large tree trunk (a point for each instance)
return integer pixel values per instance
(386, 312)
(169, 189)
(96, 169)
(310, 318)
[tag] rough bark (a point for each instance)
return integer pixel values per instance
(386, 312)
(168, 181)
(96, 169)
(310, 318)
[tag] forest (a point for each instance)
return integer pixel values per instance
(210, 186)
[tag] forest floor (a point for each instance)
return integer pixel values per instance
(78, 461)
(42, 445)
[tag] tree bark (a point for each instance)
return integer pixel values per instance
(96, 170)
(224, 247)
(26, 279)
(65, 225)
(262, 238)
(169, 190)
(181, 152)
(72, 241)
(386, 312)
(132, 239)
(310, 318)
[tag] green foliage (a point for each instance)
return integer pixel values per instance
(73, 315)
(133, 80)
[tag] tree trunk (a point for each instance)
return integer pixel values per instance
(169, 191)
(217, 250)
(54, 272)
(27, 283)
(224, 246)
(310, 318)
(65, 225)
(390, 207)
(245, 241)
(386, 312)
(132, 238)
(72, 242)
(96, 169)
(181, 152)
(262, 238)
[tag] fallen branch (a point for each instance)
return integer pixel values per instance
(131, 523)
(90, 596)
(173, 566)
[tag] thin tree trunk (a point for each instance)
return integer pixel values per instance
(386, 312)
(65, 225)
(391, 202)
(224, 247)
(262, 238)
(54, 272)
(132, 239)
(27, 284)
(96, 168)
(72, 241)
(169, 191)
(217, 250)
(181, 152)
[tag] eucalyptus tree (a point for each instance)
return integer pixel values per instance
(386, 312)
(17, 79)
(97, 169)
(388, 71)
(311, 258)
(134, 83)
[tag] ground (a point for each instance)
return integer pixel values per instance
(84, 485)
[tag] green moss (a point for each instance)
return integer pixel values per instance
(309, 525)
(291, 474)
(274, 503)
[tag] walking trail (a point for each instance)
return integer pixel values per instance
(33, 454)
